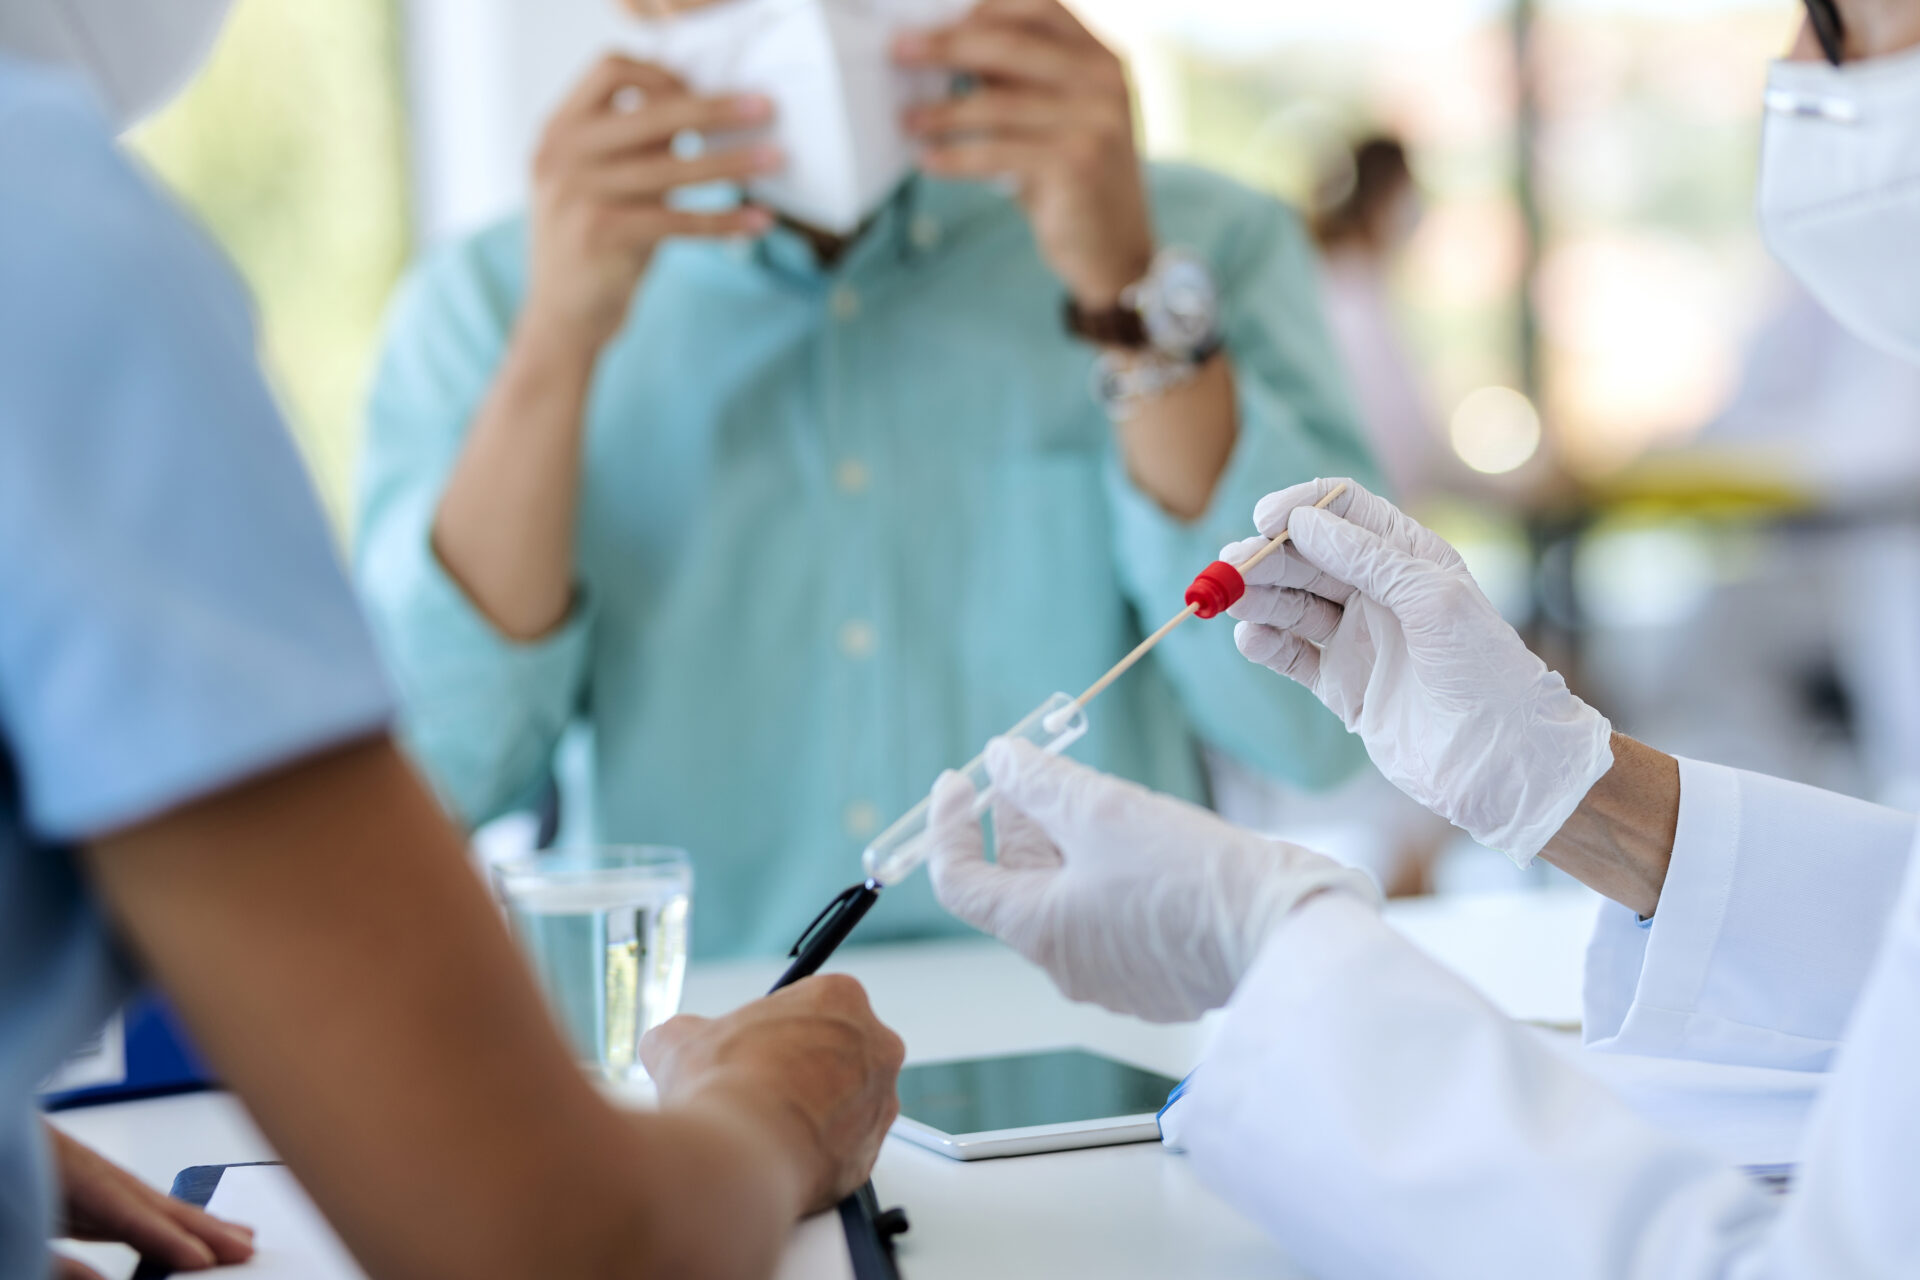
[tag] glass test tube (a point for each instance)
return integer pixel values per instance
(1053, 726)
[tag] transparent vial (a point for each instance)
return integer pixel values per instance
(897, 852)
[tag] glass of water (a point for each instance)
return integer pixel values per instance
(606, 932)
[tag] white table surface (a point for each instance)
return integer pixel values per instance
(1115, 1213)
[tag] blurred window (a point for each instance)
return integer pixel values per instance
(292, 150)
(1644, 272)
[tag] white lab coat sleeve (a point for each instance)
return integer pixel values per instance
(1852, 1213)
(1774, 909)
(1380, 1119)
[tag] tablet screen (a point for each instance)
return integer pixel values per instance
(1065, 1087)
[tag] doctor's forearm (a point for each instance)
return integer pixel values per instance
(1176, 445)
(505, 526)
(1620, 840)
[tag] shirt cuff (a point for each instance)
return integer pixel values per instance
(1774, 905)
(1678, 944)
(430, 624)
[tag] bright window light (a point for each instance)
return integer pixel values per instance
(1496, 430)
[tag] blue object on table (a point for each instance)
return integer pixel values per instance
(140, 1053)
(1179, 1092)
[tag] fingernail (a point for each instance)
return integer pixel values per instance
(767, 157)
(752, 106)
(911, 46)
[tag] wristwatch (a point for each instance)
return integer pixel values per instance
(1164, 330)
(1173, 311)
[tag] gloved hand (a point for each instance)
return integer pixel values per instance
(1381, 620)
(1130, 900)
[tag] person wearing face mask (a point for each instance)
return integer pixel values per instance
(1376, 1114)
(198, 790)
(798, 498)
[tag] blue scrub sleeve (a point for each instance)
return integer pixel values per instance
(176, 618)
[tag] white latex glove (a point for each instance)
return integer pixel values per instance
(1381, 620)
(1129, 899)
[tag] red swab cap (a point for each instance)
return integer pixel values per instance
(1216, 589)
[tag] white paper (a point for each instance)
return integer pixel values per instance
(293, 1242)
(818, 1251)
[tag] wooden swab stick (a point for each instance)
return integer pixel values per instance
(1145, 647)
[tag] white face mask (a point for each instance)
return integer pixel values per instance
(827, 66)
(137, 54)
(1840, 191)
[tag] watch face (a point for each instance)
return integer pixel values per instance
(1181, 306)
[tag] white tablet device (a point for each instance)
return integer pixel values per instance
(1016, 1106)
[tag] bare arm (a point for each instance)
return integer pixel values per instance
(344, 970)
(1620, 840)
(504, 529)
(1177, 445)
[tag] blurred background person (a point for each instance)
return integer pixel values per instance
(798, 499)
(1366, 210)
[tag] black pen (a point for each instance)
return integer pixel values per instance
(860, 1212)
(829, 929)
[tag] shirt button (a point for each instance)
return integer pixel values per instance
(925, 232)
(844, 302)
(857, 639)
(862, 820)
(851, 477)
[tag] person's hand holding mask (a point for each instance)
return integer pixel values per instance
(602, 177)
(1050, 111)
(1131, 900)
(1380, 619)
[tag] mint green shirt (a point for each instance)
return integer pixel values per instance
(838, 529)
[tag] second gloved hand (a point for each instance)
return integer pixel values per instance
(1131, 900)
(1379, 617)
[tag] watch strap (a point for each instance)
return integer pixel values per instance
(1119, 326)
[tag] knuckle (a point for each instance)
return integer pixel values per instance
(838, 989)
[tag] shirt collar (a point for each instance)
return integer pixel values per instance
(916, 222)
